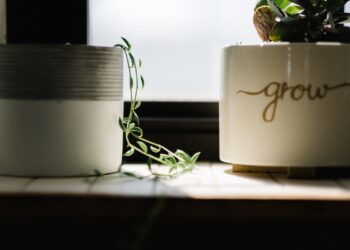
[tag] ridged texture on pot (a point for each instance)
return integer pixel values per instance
(59, 110)
(46, 72)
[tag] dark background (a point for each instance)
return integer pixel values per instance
(47, 21)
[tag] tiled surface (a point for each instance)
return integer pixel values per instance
(13, 184)
(207, 181)
(58, 185)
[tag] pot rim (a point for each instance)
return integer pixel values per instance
(286, 44)
(44, 46)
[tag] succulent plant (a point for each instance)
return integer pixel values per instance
(302, 20)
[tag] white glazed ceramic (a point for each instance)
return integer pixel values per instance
(286, 104)
(59, 110)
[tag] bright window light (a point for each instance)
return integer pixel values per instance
(178, 41)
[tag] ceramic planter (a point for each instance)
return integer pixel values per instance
(286, 104)
(59, 110)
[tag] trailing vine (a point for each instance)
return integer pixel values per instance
(179, 161)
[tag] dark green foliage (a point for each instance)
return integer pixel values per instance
(304, 20)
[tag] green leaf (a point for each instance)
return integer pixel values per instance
(173, 169)
(194, 158)
(132, 59)
(276, 9)
(306, 4)
(293, 9)
(131, 83)
(164, 156)
(131, 126)
(282, 3)
(120, 46)
(287, 32)
(121, 124)
(137, 104)
(143, 146)
(140, 63)
(155, 150)
(129, 153)
(128, 45)
(260, 3)
(149, 164)
(142, 81)
(182, 154)
(170, 160)
(136, 118)
(137, 131)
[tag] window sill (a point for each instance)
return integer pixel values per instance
(211, 185)
(211, 207)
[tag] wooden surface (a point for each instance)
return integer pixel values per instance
(207, 181)
(212, 208)
(190, 193)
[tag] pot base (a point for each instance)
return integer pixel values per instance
(296, 172)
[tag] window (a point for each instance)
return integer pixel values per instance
(179, 41)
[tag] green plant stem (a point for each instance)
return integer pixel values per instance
(179, 161)
(161, 147)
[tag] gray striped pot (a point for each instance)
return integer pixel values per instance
(59, 110)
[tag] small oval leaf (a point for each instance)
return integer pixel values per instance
(136, 131)
(138, 104)
(194, 158)
(142, 81)
(149, 164)
(130, 152)
(182, 154)
(154, 149)
(121, 124)
(132, 59)
(136, 118)
(143, 146)
(131, 83)
(128, 45)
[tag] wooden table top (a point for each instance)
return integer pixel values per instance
(211, 190)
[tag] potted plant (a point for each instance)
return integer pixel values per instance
(285, 102)
(61, 110)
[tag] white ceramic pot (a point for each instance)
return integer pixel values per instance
(59, 110)
(286, 104)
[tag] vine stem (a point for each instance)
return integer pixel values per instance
(161, 147)
(142, 152)
(132, 109)
(179, 162)
(130, 87)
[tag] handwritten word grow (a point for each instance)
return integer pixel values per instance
(278, 91)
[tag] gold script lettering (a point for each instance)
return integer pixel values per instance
(277, 91)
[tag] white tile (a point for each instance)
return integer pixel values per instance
(250, 192)
(13, 184)
(223, 176)
(139, 169)
(200, 192)
(199, 177)
(58, 185)
(123, 186)
(284, 180)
